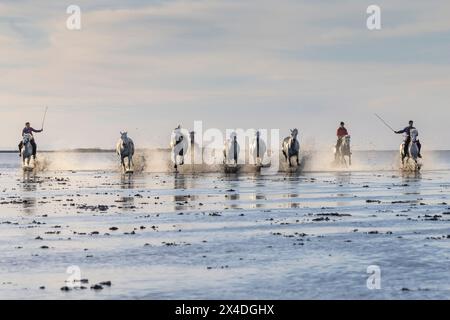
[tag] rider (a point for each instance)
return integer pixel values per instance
(29, 130)
(341, 133)
(407, 131)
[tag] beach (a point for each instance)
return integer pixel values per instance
(161, 235)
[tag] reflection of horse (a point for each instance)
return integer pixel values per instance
(27, 149)
(258, 149)
(412, 152)
(231, 150)
(179, 144)
(125, 149)
(291, 148)
(343, 150)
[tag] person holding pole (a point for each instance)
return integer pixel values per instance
(29, 130)
(407, 132)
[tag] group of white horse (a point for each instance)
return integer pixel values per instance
(232, 149)
(180, 144)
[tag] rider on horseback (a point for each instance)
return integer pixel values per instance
(29, 130)
(407, 132)
(341, 133)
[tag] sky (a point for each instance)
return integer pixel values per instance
(147, 66)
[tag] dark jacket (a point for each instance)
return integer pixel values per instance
(407, 130)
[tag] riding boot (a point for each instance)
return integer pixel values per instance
(419, 145)
(20, 148)
(33, 144)
(406, 147)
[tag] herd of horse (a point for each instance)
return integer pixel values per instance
(180, 144)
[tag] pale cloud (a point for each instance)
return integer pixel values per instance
(255, 63)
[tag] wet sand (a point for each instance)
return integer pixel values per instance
(215, 236)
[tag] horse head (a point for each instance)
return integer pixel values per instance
(124, 138)
(414, 133)
(233, 136)
(347, 139)
(294, 133)
(123, 135)
(27, 138)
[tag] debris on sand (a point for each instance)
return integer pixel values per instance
(334, 214)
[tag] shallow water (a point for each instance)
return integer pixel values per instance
(216, 236)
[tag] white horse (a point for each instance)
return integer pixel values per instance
(231, 150)
(27, 149)
(291, 148)
(258, 149)
(343, 151)
(179, 144)
(413, 151)
(125, 149)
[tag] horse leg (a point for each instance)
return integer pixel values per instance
(298, 159)
(350, 160)
(285, 156)
(175, 166)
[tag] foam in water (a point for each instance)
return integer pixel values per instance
(159, 160)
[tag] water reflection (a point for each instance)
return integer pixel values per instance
(412, 182)
(232, 194)
(257, 196)
(343, 178)
(408, 177)
(29, 188)
(126, 201)
(180, 199)
(293, 195)
(127, 181)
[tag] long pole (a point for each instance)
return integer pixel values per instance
(384, 122)
(43, 119)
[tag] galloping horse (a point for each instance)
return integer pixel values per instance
(231, 150)
(343, 151)
(413, 152)
(27, 150)
(291, 148)
(125, 149)
(258, 149)
(179, 144)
